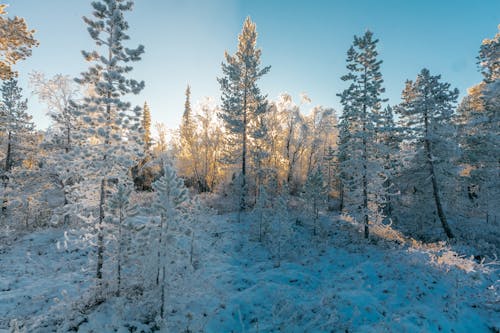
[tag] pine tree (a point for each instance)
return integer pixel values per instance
(170, 197)
(263, 211)
(478, 121)
(281, 228)
(146, 126)
(110, 122)
(16, 42)
(15, 122)
(361, 101)
(315, 192)
(242, 101)
(426, 121)
(18, 129)
(386, 136)
(120, 205)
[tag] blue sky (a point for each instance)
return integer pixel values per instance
(305, 42)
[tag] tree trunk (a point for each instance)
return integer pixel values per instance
(365, 157)
(243, 158)
(8, 157)
(100, 235)
(119, 268)
(159, 251)
(5, 178)
(341, 194)
(162, 306)
(435, 190)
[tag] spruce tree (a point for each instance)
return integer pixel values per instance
(242, 101)
(188, 160)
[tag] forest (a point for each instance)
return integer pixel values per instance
(255, 214)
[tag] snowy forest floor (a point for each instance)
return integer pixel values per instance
(338, 282)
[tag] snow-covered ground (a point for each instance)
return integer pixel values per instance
(334, 283)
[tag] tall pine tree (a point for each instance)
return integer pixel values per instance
(110, 122)
(242, 101)
(425, 117)
(357, 144)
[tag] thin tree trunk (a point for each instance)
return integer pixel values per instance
(435, 190)
(7, 169)
(243, 159)
(100, 235)
(341, 190)
(159, 251)
(162, 306)
(119, 268)
(68, 138)
(8, 157)
(365, 157)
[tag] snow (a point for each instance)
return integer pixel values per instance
(333, 282)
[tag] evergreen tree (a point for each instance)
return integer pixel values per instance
(16, 42)
(120, 205)
(281, 226)
(17, 131)
(387, 139)
(315, 192)
(110, 122)
(361, 101)
(263, 211)
(189, 159)
(15, 123)
(242, 101)
(146, 126)
(169, 203)
(426, 123)
(478, 122)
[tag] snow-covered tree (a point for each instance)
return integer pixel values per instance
(211, 140)
(17, 131)
(361, 101)
(425, 117)
(188, 161)
(387, 139)
(242, 101)
(16, 42)
(281, 227)
(171, 195)
(146, 126)
(111, 125)
(315, 193)
(57, 93)
(15, 122)
(263, 212)
(478, 122)
(122, 208)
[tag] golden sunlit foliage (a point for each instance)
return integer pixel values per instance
(16, 42)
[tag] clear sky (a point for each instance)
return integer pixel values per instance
(305, 42)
